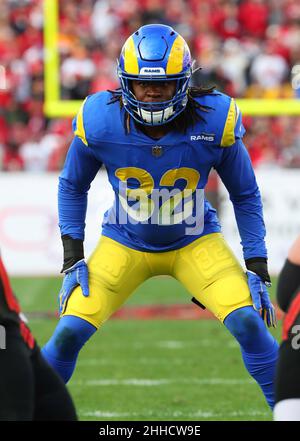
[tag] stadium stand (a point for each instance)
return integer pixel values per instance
(247, 48)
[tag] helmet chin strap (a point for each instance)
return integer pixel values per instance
(156, 117)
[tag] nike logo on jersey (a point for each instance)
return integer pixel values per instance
(209, 137)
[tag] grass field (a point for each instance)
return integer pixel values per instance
(153, 369)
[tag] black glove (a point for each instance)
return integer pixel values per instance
(258, 280)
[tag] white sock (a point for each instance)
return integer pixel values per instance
(287, 410)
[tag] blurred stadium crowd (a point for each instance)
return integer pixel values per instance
(246, 47)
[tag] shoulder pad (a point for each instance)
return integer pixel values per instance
(224, 119)
(91, 120)
(233, 127)
(78, 126)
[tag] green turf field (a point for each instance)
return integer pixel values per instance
(154, 369)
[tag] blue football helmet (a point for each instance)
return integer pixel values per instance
(155, 53)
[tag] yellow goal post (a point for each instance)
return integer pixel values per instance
(55, 107)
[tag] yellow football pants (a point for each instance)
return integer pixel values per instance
(207, 268)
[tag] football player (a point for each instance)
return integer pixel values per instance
(287, 390)
(29, 388)
(158, 136)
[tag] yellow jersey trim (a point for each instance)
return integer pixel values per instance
(228, 137)
(80, 132)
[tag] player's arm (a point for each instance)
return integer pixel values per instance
(80, 168)
(289, 277)
(236, 172)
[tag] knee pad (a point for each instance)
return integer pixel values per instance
(69, 336)
(247, 326)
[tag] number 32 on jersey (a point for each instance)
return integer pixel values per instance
(167, 206)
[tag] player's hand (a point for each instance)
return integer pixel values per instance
(258, 281)
(76, 275)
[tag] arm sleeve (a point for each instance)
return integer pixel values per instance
(80, 168)
(236, 172)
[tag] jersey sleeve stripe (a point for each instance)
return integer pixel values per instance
(80, 132)
(228, 137)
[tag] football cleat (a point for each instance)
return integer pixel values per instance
(155, 53)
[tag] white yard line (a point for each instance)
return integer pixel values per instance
(107, 414)
(179, 361)
(177, 414)
(146, 382)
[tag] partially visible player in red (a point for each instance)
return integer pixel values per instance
(287, 395)
(29, 387)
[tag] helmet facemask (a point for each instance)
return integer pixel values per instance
(155, 113)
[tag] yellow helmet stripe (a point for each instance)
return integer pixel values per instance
(228, 137)
(131, 64)
(80, 132)
(175, 61)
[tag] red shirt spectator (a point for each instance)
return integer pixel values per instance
(225, 21)
(253, 17)
(12, 160)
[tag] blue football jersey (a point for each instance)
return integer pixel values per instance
(159, 184)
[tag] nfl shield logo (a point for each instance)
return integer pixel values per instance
(157, 151)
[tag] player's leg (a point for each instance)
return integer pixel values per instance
(62, 350)
(114, 273)
(287, 385)
(259, 348)
(52, 401)
(287, 390)
(16, 379)
(210, 271)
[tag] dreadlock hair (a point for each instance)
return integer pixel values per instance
(188, 117)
